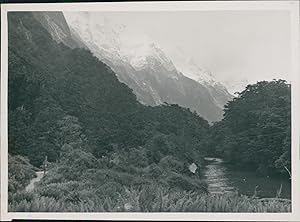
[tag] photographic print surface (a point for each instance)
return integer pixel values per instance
(149, 111)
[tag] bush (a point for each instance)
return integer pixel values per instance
(20, 172)
(75, 162)
(58, 190)
(157, 147)
(153, 171)
(20, 196)
(176, 180)
(109, 189)
(170, 163)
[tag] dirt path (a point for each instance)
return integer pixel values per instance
(39, 176)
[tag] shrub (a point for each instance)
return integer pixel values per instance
(170, 163)
(58, 190)
(176, 180)
(20, 172)
(153, 171)
(109, 189)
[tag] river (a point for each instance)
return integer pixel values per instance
(221, 179)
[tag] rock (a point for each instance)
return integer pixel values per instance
(193, 167)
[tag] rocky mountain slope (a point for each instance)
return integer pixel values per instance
(140, 63)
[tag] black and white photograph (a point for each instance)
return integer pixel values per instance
(169, 111)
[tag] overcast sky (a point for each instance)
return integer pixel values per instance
(234, 45)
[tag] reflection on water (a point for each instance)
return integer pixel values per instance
(216, 178)
(221, 179)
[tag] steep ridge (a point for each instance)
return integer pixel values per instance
(57, 26)
(187, 66)
(48, 81)
(142, 64)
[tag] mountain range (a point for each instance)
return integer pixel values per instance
(140, 62)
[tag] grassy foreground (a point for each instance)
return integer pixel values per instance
(148, 199)
(81, 183)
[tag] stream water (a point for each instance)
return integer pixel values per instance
(39, 176)
(221, 179)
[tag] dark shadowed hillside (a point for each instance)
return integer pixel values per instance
(49, 82)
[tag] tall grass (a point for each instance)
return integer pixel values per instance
(150, 199)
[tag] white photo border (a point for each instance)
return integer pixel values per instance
(291, 6)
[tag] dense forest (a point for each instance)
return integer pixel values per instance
(67, 105)
(255, 132)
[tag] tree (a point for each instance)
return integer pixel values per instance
(255, 130)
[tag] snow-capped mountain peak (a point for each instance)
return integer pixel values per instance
(146, 54)
(192, 70)
(141, 63)
(187, 65)
(117, 40)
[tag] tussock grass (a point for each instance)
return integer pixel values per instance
(149, 199)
